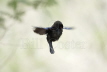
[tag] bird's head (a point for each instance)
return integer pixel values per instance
(58, 24)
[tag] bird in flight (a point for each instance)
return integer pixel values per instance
(53, 33)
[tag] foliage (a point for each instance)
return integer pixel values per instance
(17, 8)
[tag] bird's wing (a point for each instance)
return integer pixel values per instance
(68, 28)
(40, 30)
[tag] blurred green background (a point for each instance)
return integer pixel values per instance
(83, 49)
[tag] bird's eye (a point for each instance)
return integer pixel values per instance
(60, 27)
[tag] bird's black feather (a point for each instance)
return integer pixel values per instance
(53, 33)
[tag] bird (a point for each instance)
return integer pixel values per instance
(53, 33)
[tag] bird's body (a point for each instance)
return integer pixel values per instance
(53, 33)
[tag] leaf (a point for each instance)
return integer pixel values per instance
(2, 20)
(6, 14)
(18, 15)
(13, 4)
(26, 2)
(43, 3)
(48, 3)
(35, 4)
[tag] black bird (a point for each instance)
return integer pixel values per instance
(53, 33)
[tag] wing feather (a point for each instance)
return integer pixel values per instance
(39, 30)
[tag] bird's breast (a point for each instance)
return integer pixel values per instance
(56, 34)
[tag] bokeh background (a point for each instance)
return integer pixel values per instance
(83, 49)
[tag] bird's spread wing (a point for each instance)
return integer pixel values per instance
(68, 28)
(48, 28)
(40, 30)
